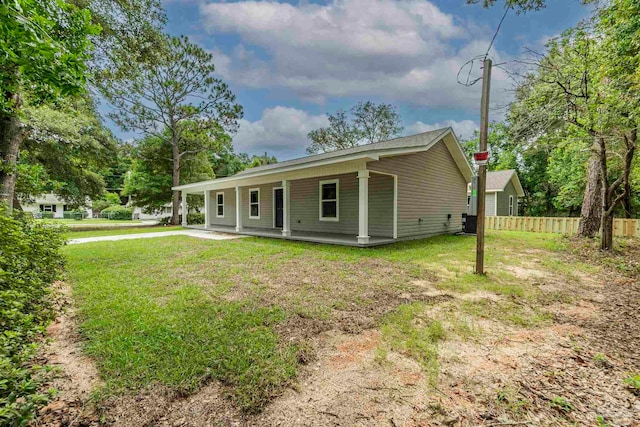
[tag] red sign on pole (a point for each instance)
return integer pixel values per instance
(481, 158)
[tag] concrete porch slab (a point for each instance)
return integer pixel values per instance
(303, 236)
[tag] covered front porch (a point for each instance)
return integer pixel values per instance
(303, 236)
(344, 204)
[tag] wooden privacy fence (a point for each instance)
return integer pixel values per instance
(622, 227)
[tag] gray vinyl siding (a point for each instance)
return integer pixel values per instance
(229, 207)
(430, 187)
(503, 200)
(266, 206)
(380, 205)
(305, 205)
(490, 204)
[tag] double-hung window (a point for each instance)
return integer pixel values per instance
(219, 205)
(510, 205)
(329, 200)
(254, 203)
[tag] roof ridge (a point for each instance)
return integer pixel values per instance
(337, 153)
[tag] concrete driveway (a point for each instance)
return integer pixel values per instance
(200, 234)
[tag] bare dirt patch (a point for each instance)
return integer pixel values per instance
(328, 294)
(164, 408)
(76, 376)
(348, 387)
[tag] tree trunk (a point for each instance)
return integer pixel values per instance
(11, 135)
(626, 203)
(606, 238)
(591, 214)
(175, 219)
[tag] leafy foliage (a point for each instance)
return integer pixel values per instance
(368, 122)
(45, 46)
(45, 49)
(150, 180)
(109, 199)
(176, 100)
(117, 213)
(29, 263)
(65, 150)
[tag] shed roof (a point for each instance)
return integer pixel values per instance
(498, 180)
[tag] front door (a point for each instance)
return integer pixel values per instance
(278, 204)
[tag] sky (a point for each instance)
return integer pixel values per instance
(292, 62)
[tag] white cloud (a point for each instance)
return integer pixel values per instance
(463, 129)
(281, 131)
(401, 51)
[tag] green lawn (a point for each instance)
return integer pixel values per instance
(89, 221)
(182, 311)
(71, 234)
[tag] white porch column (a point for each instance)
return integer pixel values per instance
(363, 206)
(286, 218)
(238, 209)
(184, 209)
(207, 206)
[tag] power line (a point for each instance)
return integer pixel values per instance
(506, 10)
(470, 63)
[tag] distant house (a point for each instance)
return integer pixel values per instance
(157, 214)
(51, 203)
(503, 191)
(372, 194)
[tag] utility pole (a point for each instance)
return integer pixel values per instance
(482, 164)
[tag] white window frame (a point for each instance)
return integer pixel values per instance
(218, 204)
(44, 208)
(251, 190)
(510, 205)
(321, 200)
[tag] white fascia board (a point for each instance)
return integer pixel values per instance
(236, 180)
(276, 176)
(458, 155)
(487, 191)
(517, 184)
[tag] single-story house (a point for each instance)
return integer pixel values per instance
(403, 188)
(158, 214)
(50, 202)
(502, 193)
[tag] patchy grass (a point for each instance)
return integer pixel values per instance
(408, 331)
(71, 234)
(507, 311)
(144, 326)
(633, 381)
(181, 311)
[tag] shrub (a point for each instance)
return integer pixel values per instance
(29, 264)
(117, 213)
(109, 199)
(194, 218)
(46, 215)
(74, 214)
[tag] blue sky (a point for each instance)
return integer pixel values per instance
(290, 63)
